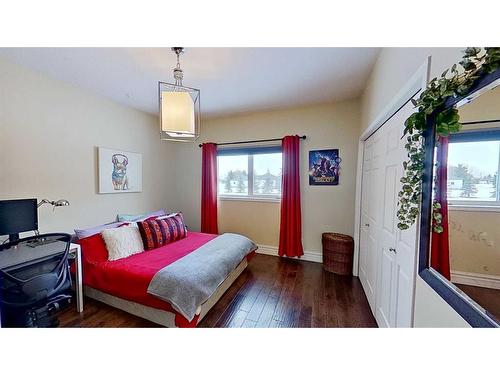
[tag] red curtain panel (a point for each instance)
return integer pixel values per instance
(440, 249)
(209, 188)
(291, 221)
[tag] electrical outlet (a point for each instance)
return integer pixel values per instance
(485, 268)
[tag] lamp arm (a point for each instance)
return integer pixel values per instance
(43, 201)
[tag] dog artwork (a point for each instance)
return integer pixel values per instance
(119, 171)
(119, 175)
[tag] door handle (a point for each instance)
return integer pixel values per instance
(393, 250)
(367, 225)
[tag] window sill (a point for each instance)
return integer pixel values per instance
(248, 199)
(473, 208)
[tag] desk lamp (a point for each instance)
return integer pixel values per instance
(58, 203)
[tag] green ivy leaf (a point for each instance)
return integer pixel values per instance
(451, 83)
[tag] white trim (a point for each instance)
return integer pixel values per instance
(463, 207)
(247, 198)
(308, 255)
(475, 279)
(418, 82)
(357, 207)
(250, 180)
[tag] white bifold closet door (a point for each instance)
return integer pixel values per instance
(387, 260)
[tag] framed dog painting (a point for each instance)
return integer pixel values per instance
(119, 171)
(324, 167)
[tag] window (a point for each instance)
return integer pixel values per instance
(233, 174)
(473, 166)
(253, 173)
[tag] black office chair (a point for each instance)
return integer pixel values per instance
(29, 296)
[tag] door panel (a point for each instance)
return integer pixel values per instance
(368, 255)
(389, 201)
(384, 303)
(366, 241)
(387, 255)
(387, 242)
(403, 252)
(403, 300)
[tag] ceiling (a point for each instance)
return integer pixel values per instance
(231, 80)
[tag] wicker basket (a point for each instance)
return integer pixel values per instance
(338, 251)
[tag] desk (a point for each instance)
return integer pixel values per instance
(23, 255)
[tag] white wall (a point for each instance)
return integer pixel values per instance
(431, 311)
(324, 208)
(394, 67)
(49, 132)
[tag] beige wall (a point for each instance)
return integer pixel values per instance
(48, 136)
(393, 69)
(474, 241)
(485, 107)
(259, 221)
(324, 208)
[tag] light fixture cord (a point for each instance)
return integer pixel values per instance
(178, 73)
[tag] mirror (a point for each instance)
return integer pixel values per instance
(465, 246)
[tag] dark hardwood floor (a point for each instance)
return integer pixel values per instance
(271, 292)
(488, 298)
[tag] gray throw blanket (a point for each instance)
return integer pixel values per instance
(191, 280)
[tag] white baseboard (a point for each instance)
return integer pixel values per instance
(273, 250)
(475, 279)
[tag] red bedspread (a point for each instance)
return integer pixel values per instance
(129, 278)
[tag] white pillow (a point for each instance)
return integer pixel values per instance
(123, 241)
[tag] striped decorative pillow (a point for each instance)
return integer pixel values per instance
(159, 232)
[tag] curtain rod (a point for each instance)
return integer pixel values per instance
(479, 122)
(254, 141)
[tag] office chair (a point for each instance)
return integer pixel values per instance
(29, 296)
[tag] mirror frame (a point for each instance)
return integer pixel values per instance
(468, 309)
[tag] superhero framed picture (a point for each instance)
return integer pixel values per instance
(324, 167)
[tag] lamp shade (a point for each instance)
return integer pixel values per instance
(61, 202)
(177, 114)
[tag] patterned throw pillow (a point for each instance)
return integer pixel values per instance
(159, 232)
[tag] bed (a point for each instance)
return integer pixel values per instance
(124, 283)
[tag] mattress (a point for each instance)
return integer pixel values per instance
(129, 278)
(162, 317)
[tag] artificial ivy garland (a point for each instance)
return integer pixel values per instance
(452, 83)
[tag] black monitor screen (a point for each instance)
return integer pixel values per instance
(19, 215)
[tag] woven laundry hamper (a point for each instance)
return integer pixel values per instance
(338, 251)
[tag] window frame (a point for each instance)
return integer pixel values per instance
(479, 135)
(249, 152)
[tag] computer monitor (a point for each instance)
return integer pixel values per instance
(16, 216)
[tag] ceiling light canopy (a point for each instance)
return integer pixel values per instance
(179, 107)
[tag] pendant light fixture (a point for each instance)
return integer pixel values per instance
(179, 107)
